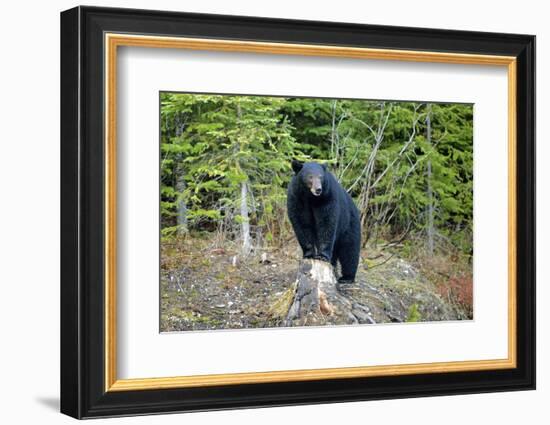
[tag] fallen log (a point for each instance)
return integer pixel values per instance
(316, 298)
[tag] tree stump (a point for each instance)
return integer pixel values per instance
(317, 299)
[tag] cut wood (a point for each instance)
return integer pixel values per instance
(316, 298)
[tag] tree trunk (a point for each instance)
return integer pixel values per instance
(430, 229)
(245, 224)
(180, 204)
(430, 218)
(316, 299)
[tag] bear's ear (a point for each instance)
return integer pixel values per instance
(297, 166)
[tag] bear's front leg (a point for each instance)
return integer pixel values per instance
(306, 240)
(326, 221)
(302, 222)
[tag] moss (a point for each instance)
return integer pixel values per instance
(280, 306)
(414, 315)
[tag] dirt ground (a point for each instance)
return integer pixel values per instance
(206, 288)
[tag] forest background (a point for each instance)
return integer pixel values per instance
(225, 165)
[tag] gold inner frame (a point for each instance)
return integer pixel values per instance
(113, 41)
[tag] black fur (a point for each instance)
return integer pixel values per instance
(325, 219)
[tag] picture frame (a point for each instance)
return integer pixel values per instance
(90, 39)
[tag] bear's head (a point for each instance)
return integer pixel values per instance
(311, 175)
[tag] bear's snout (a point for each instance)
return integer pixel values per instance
(316, 191)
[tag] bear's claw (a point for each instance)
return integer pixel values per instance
(321, 258)
(343, 281)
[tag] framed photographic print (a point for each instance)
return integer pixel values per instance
(261, 212)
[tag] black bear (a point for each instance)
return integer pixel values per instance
(324, 218)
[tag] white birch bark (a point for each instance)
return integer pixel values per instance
(245, 224)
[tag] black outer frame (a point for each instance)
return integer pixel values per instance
(82, 212)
